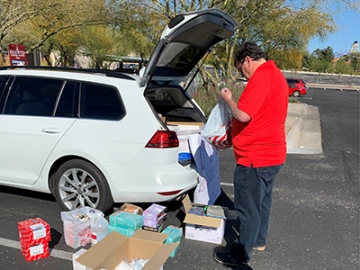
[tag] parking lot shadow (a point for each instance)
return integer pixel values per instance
(232, 221)
(55, 238)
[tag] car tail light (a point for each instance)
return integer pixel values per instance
(170, 193)
(163, 139)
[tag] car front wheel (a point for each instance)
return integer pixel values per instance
(79, 183)
(296, 94)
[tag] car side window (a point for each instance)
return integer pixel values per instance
(33, 96)
(291, 83)
(68, 101)
(99, 101)
(4, 85)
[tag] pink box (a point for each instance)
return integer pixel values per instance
(154, 212)
(154, 223)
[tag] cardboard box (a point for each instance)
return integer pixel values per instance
(155, 223)
(174, 235)
(158, 229)
(37, 252)
(185, 128)
(123, 231)
(202, 228)
(205, 233)
(34, 236)
(115, 248)
(154, 212)
(126, 266)
(126, 220)
(199, 124)
(33, 231)
(76, 265)
(131, 208)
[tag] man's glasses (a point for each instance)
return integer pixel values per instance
(239, 64)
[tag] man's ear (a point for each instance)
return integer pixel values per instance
(247, 60)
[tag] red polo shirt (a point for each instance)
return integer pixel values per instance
(261, 141)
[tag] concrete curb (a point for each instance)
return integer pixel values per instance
(293, 134)
(304, 130)
(332, 86)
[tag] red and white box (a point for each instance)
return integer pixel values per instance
(34, 237)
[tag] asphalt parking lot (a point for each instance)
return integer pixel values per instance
(315, 216)
(325, 78)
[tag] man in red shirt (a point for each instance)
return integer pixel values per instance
(258, 138)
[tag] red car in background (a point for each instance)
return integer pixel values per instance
(297, 87)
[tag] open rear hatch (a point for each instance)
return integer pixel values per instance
(184, 42)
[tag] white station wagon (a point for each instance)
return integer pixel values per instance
(95, 137)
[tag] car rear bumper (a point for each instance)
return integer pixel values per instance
(131, 183)
(303, 91)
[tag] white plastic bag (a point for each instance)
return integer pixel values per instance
(201, 193)
(217, 130)
(77, 225)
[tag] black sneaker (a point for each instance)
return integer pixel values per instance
(226, 258)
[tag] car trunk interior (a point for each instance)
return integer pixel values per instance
(179, 114)
(172, 104)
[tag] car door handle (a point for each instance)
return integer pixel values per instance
(50, 130)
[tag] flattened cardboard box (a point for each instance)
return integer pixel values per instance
(185, 128)
(200, 124)
(202, 228)
(114, 248)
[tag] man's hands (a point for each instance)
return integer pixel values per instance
(226, 96)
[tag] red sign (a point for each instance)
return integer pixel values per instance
(17, 54)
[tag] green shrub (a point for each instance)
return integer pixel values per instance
(293, 100)
(208, 97)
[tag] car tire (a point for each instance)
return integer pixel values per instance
(296, 94)
(78, 183)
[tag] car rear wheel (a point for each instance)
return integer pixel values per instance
(79, 183)
(296, 94)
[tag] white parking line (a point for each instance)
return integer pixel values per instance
(53, 252)
(59, 253)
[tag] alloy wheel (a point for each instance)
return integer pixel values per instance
(296, 94)
(78, 188)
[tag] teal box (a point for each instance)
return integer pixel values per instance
(126, 220)
(174, 235)
(126, 232)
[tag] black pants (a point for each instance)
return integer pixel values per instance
(253, 197)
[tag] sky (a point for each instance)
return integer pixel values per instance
(349, 31)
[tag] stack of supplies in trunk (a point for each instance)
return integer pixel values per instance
(154, 218)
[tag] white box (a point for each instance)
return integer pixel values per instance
(202, 228)
(204, 233)
(77, 265)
